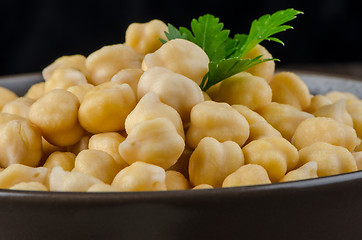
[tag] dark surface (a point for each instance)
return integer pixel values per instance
(36, 32)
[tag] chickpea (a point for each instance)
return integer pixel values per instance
(48, 149)
(104, 63)
(105, 107)
(131, 76)
(140, 176)
(322, 129)
(173, 89)
(250, 174)
(289, 88)
(331, 159)
(245, 89)
(217, 120)
(202, 186)
(154, 141)
(109, 143)
(334, 96)
(355, 110)
(316, 102)
(337, 111)
(250, 115)
(179, 56)
(74, 61)
(275, 154)
(60, 180)
(176, 181)
(145, 37)
(80, 90)
(264, 70)
(358, 158)
(19, 106)
(64, 78)
(6, 96)
(36, 91)
(81, 145)
(307, 171)
(64, 160)
(18, 173)
(150, 107)
(58, 122)
(29, 186)
(284, 118)
(212, 161)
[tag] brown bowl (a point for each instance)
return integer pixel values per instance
(323, 208)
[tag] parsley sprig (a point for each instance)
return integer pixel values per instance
(227, 54)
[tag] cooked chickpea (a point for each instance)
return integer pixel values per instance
(334, 96)
(109, 143)
(18, 173)
(36, 91)
(64, 160)
(80, 90)
(202, 186)
(105, 107)
(19, 106)
(245, 89)
(173, 89)
(284, 118)
(179, 56)
(322, 129)
(104, 63)
(289, 88)
(212, 161)
(6, 96)
(337, 111)
(150, 107)
(64, 78)
(145, 37)
(331, 159)
(131, 76)
(275, 154)
(29, 186)
(81, 145)
(140, 176)
(250, 174)
(217, 120)
(358, 158)
(317, 102)
(355, 110)
(176, 181)
(154, 141)
(307, 171)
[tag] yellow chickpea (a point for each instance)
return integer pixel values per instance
(64, 78)
(173, 89)
(6, 96)
(307, 171)
(36, 91)
(131, 76)
(202, 186)
(245, 89)
(355, 110)
(140, 176)
(105, 107)
(275, 154)
(17, 173)
(289, 88)
(104, 63)
(179, 56)
(337, 111)
(109, 143)
(217, 120)
(19, 106)
(284, 118)
(145, 37)
(250, 174)
(334, 96)
(176, 181)
(80, 90)
(58, 122)
(29, 186)
(64, 160)
(358, 158)
(331, 159)
(154, 141)
(264, 70)
(212, 161)
(81, 145)
(317, 102)
(322, 129)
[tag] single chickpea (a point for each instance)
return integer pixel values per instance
(245, 89)
(358, 158)
(307, 171)
(131, 76)
(331, 159)
(173, 89)
(154, 141)
(275, 154)
(58, 122)
(289, 88)
(29, 186)
(337, 111)
(179, 56)
(98, 164)
(6, 96)
(105, 107)
(212, 161)
(36, 91)
(80, 90)
(145, 37)
(250, 174)
(109, 143)
(202, 186)
(64, 160)
(140, 176)
(150, 107)
(17, 173)
(217, 120)
(284, 118)
(64, 78)
(176, 181)
(355, 110)
(317, 102)
(264, 70)
(322, 129)
(104, 63)
(19, 106)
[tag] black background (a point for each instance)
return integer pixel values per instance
(35, 33)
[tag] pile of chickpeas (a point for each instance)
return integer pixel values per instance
(132, 117)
